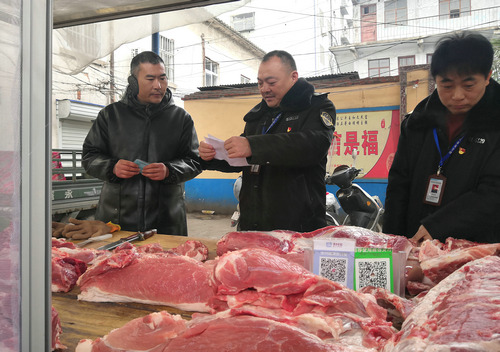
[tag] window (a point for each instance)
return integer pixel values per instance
(167, 55)
(429, 58)
(378, 68)
(244, 22)
(453, 8)
(244, 79)
(134, 52)
(406, 61)
(368, 23)
(211, 73)
(396, 12)
(368, 9)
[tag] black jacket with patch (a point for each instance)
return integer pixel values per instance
(154, 133)
(288, 192)
(471, 200)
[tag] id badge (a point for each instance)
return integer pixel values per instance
(254, 169)
(435, 190)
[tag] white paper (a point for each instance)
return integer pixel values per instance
(221, 152)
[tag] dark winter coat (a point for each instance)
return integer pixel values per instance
(471, 200)
(288, 192)
(153, 133)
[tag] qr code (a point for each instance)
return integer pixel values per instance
(372, 272)
(334, 269)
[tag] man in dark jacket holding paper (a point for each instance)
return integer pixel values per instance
(144, 148)
(445, 178)
(285, 141)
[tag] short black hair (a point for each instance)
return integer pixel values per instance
(464, 53)
(285, 57)
(145, 56)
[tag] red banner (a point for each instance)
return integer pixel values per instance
(373, 134)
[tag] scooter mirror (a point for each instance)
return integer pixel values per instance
(342, 177)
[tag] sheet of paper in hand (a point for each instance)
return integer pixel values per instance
(221, 153)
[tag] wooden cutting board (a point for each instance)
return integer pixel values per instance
(90, 320)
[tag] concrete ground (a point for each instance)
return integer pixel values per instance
(208, 226)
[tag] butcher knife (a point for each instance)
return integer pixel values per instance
(138, 236)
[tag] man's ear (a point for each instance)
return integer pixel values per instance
(295, 76)
(489, 76)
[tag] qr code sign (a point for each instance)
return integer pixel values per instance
(373, 272)
(334, 269)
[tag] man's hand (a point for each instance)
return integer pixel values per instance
(207, 152)
(83, 229)
(57, 228)
(126, 169)
(421, 235)
(156, 171)
(238, 147)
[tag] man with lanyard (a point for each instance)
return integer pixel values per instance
(285, 141)
(445, 178)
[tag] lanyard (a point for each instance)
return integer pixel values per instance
(264, 131)
(447, 155)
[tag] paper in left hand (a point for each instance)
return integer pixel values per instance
(221, 152)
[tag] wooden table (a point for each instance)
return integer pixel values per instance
(89, 320)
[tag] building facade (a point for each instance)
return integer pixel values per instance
(375, 38)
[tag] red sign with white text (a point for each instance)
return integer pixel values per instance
(373, 134)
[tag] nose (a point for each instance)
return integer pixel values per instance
(264, 87)
(458, 94)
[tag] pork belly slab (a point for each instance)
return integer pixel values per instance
(461, 313)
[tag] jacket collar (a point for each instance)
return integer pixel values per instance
(485, 115)
(131, 100)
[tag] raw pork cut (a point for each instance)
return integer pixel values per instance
(167, 333)
(461, 313)
(86, 255)
(261, 283)
(262, 270)
(56, 331)
(193, 249)
(438, 261)
(397, 307)
(65, 273)
(151, 278)
(294, 246)
(364, 237)
(281, 242)
(150, 333)
(249, 334)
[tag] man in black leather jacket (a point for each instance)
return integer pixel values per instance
(144, 125)
(285, 141)
(445, 178)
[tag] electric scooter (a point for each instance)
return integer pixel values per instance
(361, 209)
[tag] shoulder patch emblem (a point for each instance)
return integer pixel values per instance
(327, 119)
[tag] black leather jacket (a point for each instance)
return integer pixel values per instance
(155, 133)
(288, 192)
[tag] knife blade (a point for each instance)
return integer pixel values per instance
(138, 236)
(94, 239)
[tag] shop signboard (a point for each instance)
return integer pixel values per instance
(373, 133)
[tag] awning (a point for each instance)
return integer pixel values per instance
(71, 13)
(85, 31)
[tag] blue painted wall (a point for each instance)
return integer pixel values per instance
(217, 194)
